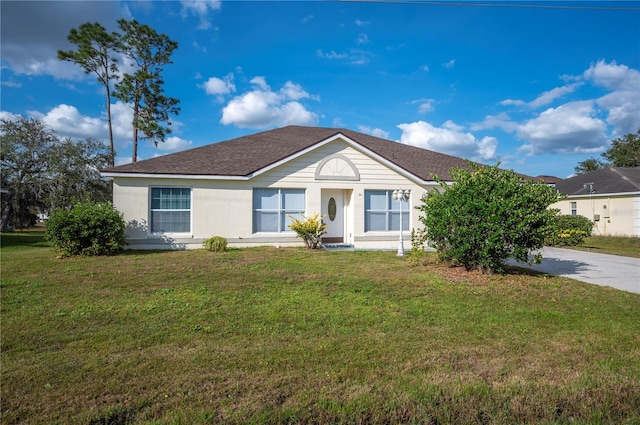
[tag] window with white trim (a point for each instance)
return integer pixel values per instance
(271, 208)
(382, 213)
(574, 208)
(170, 210)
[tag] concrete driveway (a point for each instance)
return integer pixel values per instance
(600, 269)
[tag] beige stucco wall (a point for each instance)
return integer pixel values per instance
(224, 207)
(619, 215)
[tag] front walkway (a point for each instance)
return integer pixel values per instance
(600, 269)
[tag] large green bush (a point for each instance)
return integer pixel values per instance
(86, 229)
(568, 230)
(487, 216)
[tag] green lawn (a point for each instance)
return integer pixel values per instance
(616, 245)
(293, 336)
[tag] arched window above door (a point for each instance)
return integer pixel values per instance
(337, 167)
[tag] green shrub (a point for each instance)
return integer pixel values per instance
(86, 229)
(216, 244)
(486, 217)
(310, 229)
(568, 230)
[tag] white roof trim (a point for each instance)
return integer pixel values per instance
(603, 195)
(174, 176)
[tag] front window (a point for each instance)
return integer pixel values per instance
(271, 208)
(574, 208)
(170, 210)
(382, 213)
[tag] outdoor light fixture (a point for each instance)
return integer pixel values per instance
(401, 195)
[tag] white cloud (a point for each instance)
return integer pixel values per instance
(514, 102)
(580, 127)
(355, 56)
(261, 83)
(569, 78)
(14, 84)
(54, 67)
(621, 104)
(219, 86)
(337, 123)
(263, 107)
(121, 160)
(545, 98)
(450, 139)
(307, 18)
(8, 116)
(377, 132)
(201, 9)
(487, 148)
(425, 68)
(361, 23)
(331, 55)
(121, 121)
(294, 91)
(196, 46)
(67, 121)
(362, 39)
(502, 121)
(359, 57)
(449, 64)
(623, 111)
(174, 144)
(570, 128)
(450, 125)
(424, 105)
(551, 95)
(613, 76)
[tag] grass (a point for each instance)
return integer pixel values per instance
(616, 245)
(294, 336)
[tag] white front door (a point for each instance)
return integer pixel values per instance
(333, 213)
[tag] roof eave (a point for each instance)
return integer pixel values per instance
(600, 195)
(173, 176)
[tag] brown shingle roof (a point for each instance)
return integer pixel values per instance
(605, 180)
(548, 179)
(246, 155)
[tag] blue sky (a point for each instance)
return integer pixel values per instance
(537, 89)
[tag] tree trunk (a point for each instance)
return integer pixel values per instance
(134, 157)
(113, 151)
(8, 209)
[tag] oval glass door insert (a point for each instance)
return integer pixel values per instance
(332, 209)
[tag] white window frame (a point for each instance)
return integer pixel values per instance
(392, 209)
(152, 210)
(574, 208)
(282, 211)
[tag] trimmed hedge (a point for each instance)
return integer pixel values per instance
(568, 230)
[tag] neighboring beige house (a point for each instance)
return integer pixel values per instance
(610, 197)
(244, 189)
